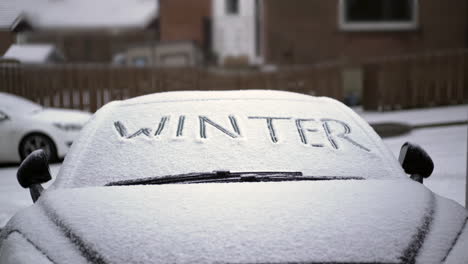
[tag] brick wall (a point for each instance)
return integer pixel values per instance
(307, 31)
(92, 45)
(184, 20)
(6, 39)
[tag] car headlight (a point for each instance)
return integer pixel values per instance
(68, 127)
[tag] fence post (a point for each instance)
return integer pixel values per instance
(93, 88)
(371, 93)
(464, 90)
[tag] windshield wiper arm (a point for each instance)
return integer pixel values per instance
(215, 176)
(227, 176)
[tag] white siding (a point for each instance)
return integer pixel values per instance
(234, 35)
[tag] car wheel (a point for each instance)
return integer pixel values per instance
(37, 141)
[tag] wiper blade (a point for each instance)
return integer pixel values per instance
(204, 177)
(226, 176)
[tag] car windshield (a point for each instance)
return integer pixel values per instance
(13, 104)
(156, 137)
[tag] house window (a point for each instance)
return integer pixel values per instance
(140, 61)
(21, 38)
(232, 7)
(362, 15)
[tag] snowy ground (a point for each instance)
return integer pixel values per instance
(446, 145)
(419, 116)
(12, 196)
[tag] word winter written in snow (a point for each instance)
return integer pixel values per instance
(332, 136)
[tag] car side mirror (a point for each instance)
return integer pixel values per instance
(415, 161)
(34, 171)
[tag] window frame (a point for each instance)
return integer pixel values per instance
(227, 7)
(344, 25)
(140, 61)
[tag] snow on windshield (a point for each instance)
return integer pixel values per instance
(162, 135)
(13, 104)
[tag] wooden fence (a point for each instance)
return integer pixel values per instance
(416, 81)
(88, 87)
(390, 83)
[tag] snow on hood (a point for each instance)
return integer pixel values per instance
(381, 221)
(449, 219)
(16, 105)
(63, 116)
(184, 132)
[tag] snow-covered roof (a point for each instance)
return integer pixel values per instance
(79, 13)
(30, 53)
(8, 14)
(188, 132)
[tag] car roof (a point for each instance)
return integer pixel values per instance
(201, 131)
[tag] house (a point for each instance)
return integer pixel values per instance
(33, 54)
(277, 32)
(239, 32)
(85, 30)
(305, 32)
(104, 31)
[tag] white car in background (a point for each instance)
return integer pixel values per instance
(26, 126)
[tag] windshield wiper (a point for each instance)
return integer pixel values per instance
(227, 176)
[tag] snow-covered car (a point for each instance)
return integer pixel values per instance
(26, 126)
(233, 177)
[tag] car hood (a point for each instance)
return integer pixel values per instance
(66, 116)
(315, 221)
